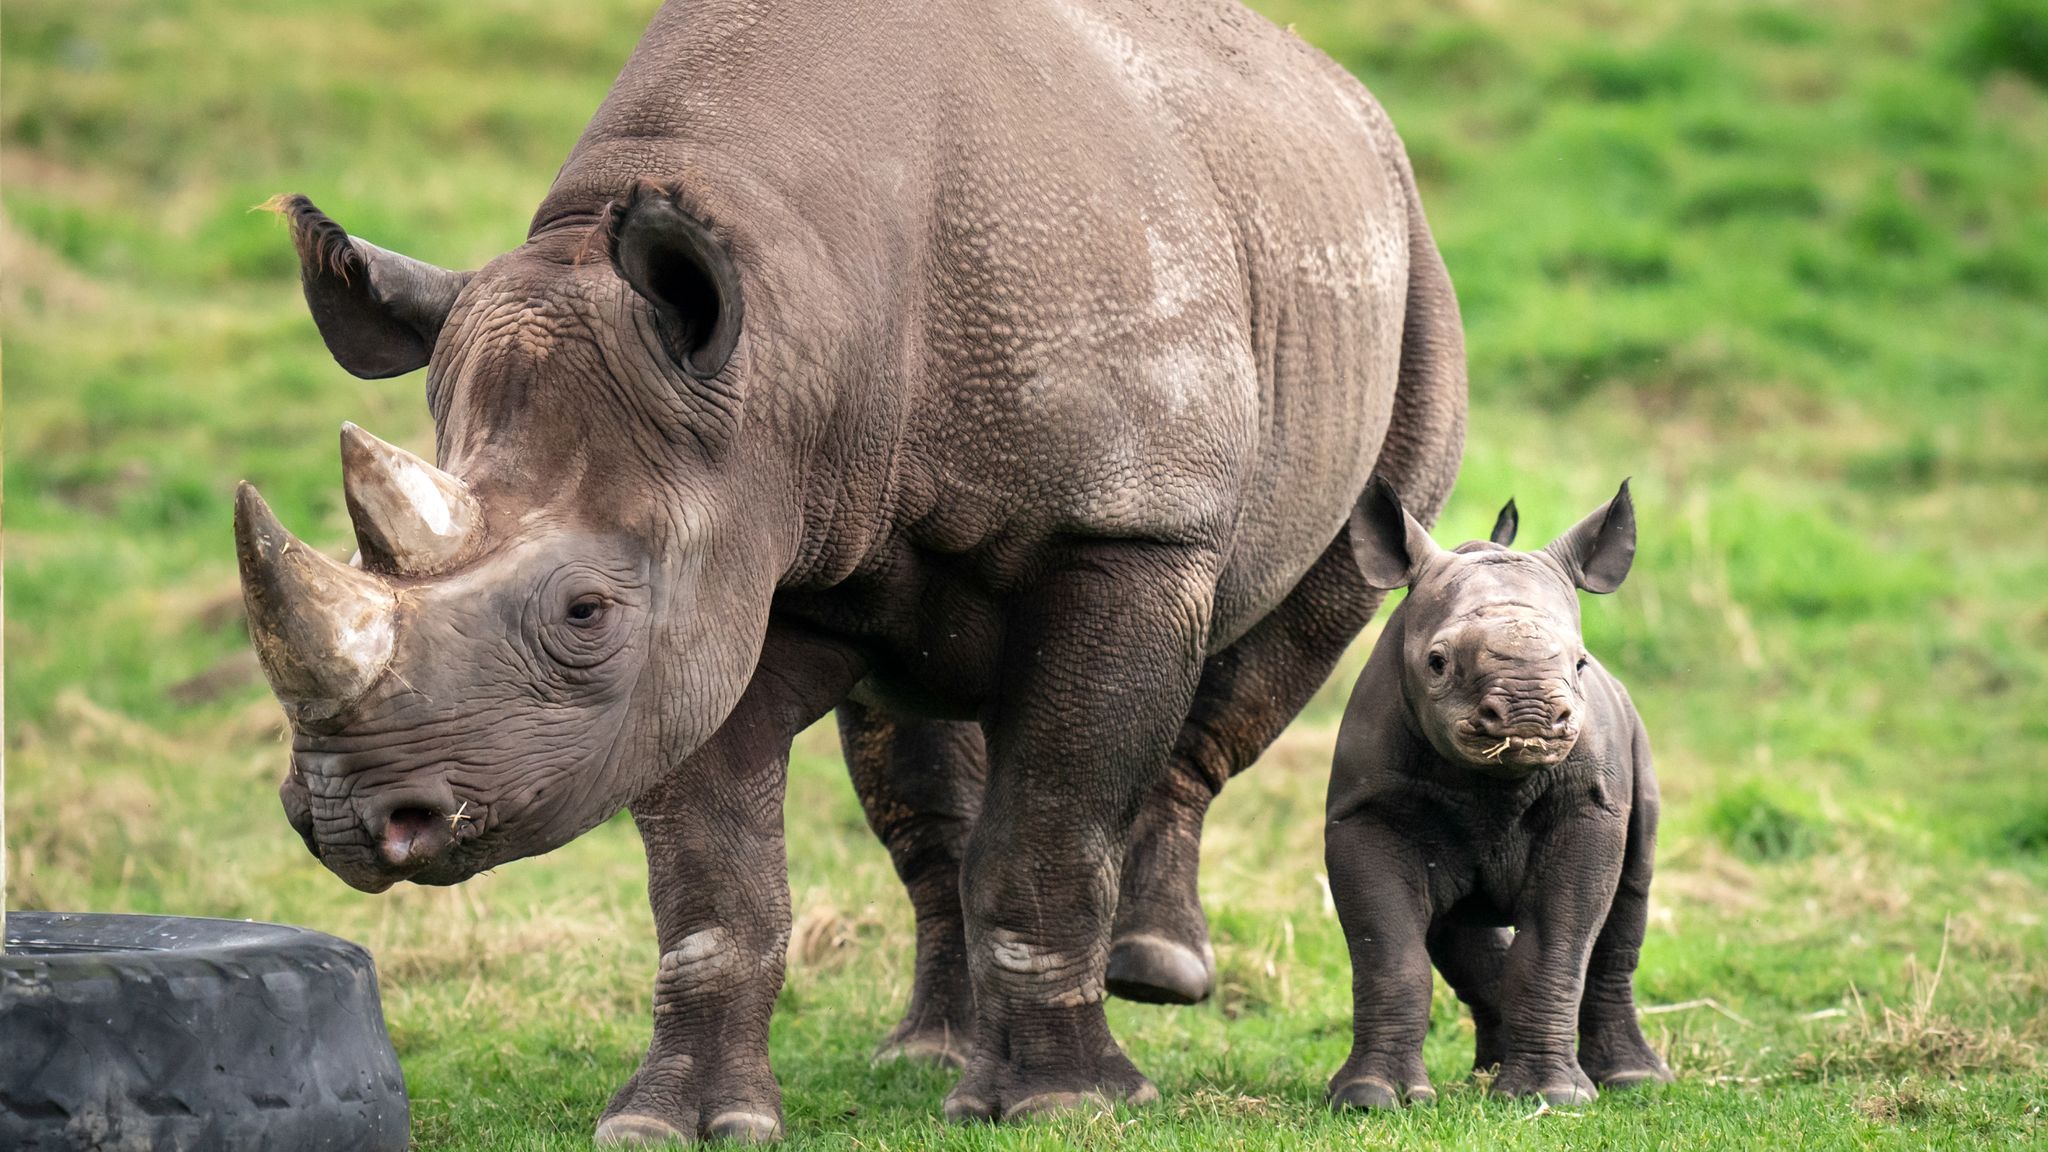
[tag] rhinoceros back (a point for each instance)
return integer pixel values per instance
(1148, 259)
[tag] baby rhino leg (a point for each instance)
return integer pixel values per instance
(1560, 912)
(1471, 957)
(1380, 900)
(1612, 1048)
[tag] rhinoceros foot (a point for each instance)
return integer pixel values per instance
(630, 1130)
(1152, 969)
(992, 1090)
(1625, 1069)
(1557, 1084)
(937, 1043)
(637, 1130)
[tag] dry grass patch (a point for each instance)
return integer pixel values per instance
(1916, 1040)
(823, 938)
(1907, 1100)
(1215, 1103)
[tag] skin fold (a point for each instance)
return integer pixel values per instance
(1003, 377)
(1491, 775)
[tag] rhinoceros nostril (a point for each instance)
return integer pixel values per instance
(413, 836)
(1493, 715)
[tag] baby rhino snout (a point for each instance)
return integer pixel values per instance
(1526, 715)
(1521, 726)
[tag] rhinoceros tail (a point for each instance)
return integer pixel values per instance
(1426, 437)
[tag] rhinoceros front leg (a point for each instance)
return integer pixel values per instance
(717, 876)
(920, 783)
(1099, 663)
(1562, 906)
(1612, 1048)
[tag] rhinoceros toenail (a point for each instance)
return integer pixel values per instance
(635, 1130)
(744, 1127)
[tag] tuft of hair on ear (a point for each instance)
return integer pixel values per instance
(1506, 524)
(323, 244)
(379, 312)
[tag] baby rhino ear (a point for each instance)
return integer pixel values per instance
(1598, 550)
(1505, 524)
(1388, 543)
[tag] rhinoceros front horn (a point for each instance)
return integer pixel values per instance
(323, 630)
(411, 518)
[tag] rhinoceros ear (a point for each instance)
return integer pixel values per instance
(1506, 524)
(673, 261)
(379, 312)
(1390, 545)
(1597, 552)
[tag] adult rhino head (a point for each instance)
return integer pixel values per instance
(482, 682)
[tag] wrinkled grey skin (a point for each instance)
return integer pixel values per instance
(1002, 376)
(1491, 774)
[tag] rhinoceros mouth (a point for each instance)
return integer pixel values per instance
(422, 833)
(1511, 754)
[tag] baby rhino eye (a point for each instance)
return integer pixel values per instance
(1437, 663)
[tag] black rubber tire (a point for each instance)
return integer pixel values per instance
(173, 1032)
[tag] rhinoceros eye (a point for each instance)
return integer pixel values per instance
(586, 610)
(1438, 662)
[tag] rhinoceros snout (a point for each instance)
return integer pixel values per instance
(1545, 716)
(412, 833)
(377, 838)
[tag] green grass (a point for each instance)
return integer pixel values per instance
(1785, 264)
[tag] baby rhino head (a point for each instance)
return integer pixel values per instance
(1491, 656)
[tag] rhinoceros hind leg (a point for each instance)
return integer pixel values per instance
(1155, 970)
(920, 783)
(1250, 691)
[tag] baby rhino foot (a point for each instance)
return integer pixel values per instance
(1622, 1060)
(1558, 1085)
(1381, 1083)
(1370, 1093)
(939, 1044)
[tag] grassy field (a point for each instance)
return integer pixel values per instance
(1784, 263)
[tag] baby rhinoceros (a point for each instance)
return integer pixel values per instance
(1491, 775)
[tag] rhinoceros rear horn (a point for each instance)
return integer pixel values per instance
(323, 631)
(675, 263)
(411, 518)
(378, 311)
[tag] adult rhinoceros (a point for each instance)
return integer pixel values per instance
(1001, 375)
